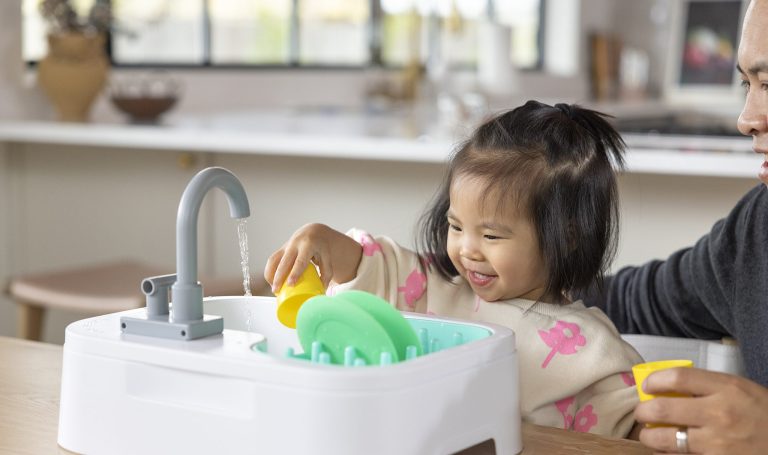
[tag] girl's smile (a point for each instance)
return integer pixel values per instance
(479, 279)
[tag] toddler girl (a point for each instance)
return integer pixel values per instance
(527, 214)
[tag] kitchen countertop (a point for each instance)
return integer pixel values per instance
(350, 135)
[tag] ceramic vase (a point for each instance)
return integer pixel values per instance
(73, 73)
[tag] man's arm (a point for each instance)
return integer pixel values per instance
(693, 292)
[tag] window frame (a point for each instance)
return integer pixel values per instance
(374, 46)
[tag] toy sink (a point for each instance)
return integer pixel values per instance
(223, 375)
(220, 394)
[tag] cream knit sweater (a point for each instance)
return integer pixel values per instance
(575, 370)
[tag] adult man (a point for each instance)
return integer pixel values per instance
(717, 288)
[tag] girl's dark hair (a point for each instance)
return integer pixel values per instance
(556, 163)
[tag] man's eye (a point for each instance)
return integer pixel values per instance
(492, 237)
(745, 85)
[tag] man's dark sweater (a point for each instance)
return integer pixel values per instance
(717, 288)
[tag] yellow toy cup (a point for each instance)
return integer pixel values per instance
(641, 372)
(291, 298)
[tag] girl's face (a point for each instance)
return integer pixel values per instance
(496, 251)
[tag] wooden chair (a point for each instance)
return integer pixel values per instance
(93, 290)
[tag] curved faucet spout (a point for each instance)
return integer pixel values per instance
(187, 291)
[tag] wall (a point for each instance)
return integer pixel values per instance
(17, 98)
(71, 206)
(7, 319)
(66, 218)
(645, 24)
(662, 213)
(76, 206)
(66, 205)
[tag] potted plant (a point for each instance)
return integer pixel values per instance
(75, 69)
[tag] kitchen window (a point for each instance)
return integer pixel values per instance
(302, 33)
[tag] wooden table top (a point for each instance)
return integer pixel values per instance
(30, 379)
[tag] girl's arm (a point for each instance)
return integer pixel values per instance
(337, 256)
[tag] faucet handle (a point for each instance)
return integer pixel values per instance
(156, 289)
(157, 321)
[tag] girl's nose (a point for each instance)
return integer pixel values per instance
(469, 249)
(754, 117)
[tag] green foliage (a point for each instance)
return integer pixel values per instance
(62, 17)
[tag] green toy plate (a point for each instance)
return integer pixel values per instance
(337, 324)
(399, 330)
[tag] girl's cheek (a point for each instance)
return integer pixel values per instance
(453, 257)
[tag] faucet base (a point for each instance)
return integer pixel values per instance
(164, 327)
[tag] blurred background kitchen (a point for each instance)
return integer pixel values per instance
(335, 111)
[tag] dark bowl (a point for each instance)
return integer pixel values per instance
(144, 109)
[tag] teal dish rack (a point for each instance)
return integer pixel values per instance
(434, 336)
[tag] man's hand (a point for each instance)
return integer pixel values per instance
(727, 414)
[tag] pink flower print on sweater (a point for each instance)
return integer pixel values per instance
(414, 287)
(628, 379)
(370, 246)
(585, 419)
(562, 406)
(562, 338)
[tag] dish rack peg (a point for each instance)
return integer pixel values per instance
(349, 356)
(317, 348)
(424, 340)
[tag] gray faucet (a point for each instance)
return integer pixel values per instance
(187, 291)
(187, 320)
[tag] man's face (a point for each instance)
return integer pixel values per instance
(753, 69)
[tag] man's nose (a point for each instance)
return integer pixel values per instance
(753, 119)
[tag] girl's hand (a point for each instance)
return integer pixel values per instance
(727, 414)
(334, 253)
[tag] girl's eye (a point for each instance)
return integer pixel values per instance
(491, 237)
(453, 227)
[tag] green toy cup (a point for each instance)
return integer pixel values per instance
(291, 298)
